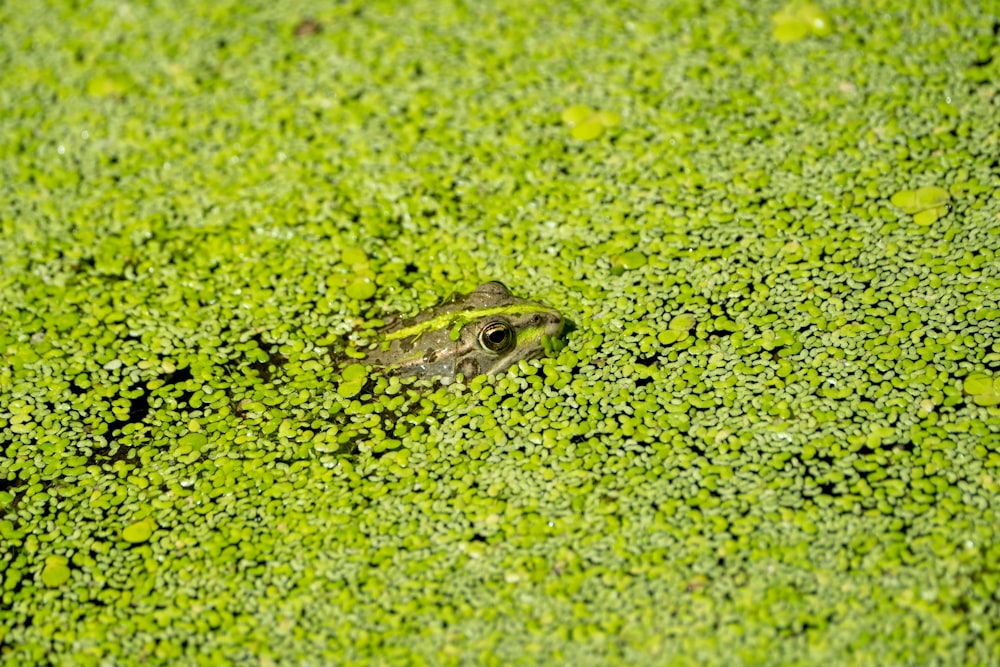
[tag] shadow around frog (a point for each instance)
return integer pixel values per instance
(569, 327)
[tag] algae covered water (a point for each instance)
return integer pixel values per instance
(772, 436)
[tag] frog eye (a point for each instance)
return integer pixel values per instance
(497, 336)
(493, 288)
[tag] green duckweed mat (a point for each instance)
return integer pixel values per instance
(773, 435)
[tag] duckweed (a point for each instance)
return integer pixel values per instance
(798, 20)
(353, 379)
(770, 435)
(56, 571)
(628, 261)
(984, 389)
(587, 124)
(139, 531)
(926, 204)
(361, 289)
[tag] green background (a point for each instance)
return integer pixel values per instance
(773, 435)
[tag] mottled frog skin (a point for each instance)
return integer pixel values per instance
(482, 333)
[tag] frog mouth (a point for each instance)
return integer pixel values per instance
(534, 354)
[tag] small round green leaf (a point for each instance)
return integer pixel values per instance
(56, 571)
(140, 531)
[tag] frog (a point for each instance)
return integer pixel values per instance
(484, 332)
